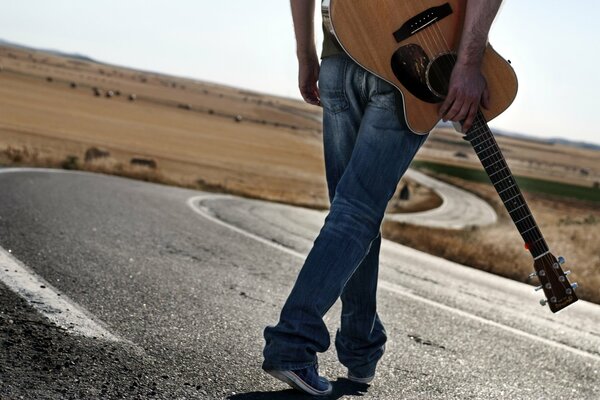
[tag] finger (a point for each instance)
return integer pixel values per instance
(308, 94)
(462, 114)
(447, 103)
(454, 111)
(317, 95)
(468, 122)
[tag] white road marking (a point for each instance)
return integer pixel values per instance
(459, 209)
(42, 296)
(195, 204)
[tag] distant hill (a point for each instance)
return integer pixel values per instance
(75, 56)
(550, 141)
(530, 138)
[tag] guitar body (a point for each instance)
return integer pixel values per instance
(412, 44)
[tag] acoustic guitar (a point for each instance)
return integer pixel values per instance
(412, 44)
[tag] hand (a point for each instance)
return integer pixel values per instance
(466, 91)
(308, 75)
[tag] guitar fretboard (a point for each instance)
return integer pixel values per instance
(481, 138)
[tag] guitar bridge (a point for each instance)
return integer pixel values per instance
(422, 21)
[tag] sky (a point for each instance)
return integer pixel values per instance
(250, 44)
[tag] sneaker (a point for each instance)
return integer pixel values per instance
(356, 379)
(306, 380)
(364, 379)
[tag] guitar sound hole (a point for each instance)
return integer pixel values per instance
(438, 74)
(410, 64)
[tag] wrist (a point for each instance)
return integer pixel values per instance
(473, 62)
(306, 55)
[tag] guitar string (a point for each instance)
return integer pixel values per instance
(547, 260)
(427, 38)
(548, 257)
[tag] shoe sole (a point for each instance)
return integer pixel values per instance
(294, 381)
(361, 380)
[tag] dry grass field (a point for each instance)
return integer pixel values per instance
(201, 135)
(571, 229)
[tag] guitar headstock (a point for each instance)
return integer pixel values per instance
(559, 292)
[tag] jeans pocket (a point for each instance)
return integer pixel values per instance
(385, 96)
(332, 80)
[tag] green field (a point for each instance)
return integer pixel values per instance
(525, 183)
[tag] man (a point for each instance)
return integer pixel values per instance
(367, 147)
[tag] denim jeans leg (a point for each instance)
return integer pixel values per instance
(383, 150)
(361, 337)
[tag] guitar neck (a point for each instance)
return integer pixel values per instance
(481, 138)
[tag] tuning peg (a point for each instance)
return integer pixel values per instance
(539, 288)
(543, 302)
(567, 272)
(561, 260)
(574, 285)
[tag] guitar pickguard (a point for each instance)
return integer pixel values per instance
(410, 64)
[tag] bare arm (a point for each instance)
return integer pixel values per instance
(303, 14)
(467, 87)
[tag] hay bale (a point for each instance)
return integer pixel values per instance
(185, 106)
(238, 118)
(49, 79)
(94, 153)
(132, 97)
(110, 94)
(144, 162)
(97, 92)
(73, 85)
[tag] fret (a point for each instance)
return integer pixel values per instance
(489, 147)
(508, 193)
(514, 197)
(498, 171)
(501, 177)
(521, 206)
(496, 162)
(524, 223)
(504, 183)
(505, 178)
(483, 159)
(527, 216)
(480, 136)
(489, 151)
(530, 235)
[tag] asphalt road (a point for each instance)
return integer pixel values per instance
(186, 281)
(459, 209)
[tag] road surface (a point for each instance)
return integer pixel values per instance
(184, 282)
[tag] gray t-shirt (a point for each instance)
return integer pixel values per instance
(330, 44)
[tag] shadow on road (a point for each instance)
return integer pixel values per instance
(341, 387)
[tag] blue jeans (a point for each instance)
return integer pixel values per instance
(368, 147)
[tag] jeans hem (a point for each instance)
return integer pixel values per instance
(286, 367)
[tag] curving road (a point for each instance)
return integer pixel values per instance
(459, 209)
(185, 282)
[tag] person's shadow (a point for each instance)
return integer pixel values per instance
(341, 387)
